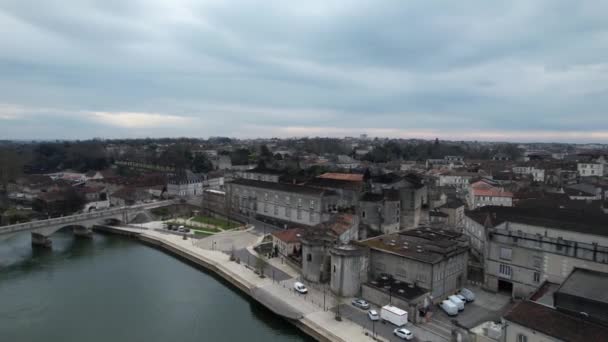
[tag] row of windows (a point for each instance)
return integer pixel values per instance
(507, 272)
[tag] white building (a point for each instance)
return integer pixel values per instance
(591, 169)
(185, 184)
(538, 175)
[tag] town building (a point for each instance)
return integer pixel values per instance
(598, 169)
(280, 201)
(261, 174)
(433, 259)
(529, 321)
(523, 247)
(537, 174)
(483, 193)
(380, 213)
(185, 184)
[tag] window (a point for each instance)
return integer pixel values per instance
(363, 214)
(308, 257)
(276, 209)
(312, 204)
(537, 262)
(506, 253)
(287, 200)
(299, 214)
(299, 202)
(522, 338)
(288, 212)
(505, 271)
(536, 277)
(265, 196)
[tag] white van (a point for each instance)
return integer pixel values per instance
(394, 315)
(450, 308)
(457, 301)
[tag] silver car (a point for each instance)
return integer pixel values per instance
(360, 303)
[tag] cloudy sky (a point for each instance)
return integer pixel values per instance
(487, 70)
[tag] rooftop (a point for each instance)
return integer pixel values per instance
(429, 245)
(351, 177)
(335, 183)
(570, 220)
(285, 187)
(554, 323)
(586, 283)
(290, 235)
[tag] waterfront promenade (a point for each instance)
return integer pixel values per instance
(277, 296)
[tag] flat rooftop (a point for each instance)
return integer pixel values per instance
(586, 284)
(430, 245)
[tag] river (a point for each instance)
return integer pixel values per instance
(112, 288)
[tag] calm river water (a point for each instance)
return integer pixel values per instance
(115, 289)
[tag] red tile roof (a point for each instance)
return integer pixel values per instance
(492, 192)
(354, 177)
(289, 236)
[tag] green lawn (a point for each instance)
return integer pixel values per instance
(222, 223)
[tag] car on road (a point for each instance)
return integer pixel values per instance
(403, 333)
(467, 294)
(300, 287)
(373, 315)
(361, 304)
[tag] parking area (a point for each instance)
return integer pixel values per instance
(384, 330)
(486, 307)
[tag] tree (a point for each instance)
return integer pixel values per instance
(11, 166)
(261, 264)
(201, 163)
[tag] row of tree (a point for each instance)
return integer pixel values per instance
(395, 150)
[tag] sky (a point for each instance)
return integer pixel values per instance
(516, 70)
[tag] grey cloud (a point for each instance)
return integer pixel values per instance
(443, 65)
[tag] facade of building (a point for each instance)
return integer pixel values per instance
(287, 202)
(430, 258)
(456, 179)
(264, 175)
(538, 175)
(380, 213)
(526, 246)
(483, 194)
(592, 169)
(185, 184)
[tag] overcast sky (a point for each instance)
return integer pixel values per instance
(486, 70)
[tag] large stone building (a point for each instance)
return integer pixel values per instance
(185, 184)
(261, 174)
(413, 195)
(280, 201)
(430, 258)
(522, 247)
(380, 213)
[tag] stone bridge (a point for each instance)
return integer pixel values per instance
(81, 223)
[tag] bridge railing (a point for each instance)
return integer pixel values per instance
(79, 217)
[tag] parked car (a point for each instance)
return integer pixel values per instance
(373, 315)
(361, 304)
(449, 308)
(461, 297)
(403, 333)
(459, 303)
(300, 287)
(468, 295)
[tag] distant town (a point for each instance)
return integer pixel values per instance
(351, 239)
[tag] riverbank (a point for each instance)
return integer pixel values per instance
(277, 297)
